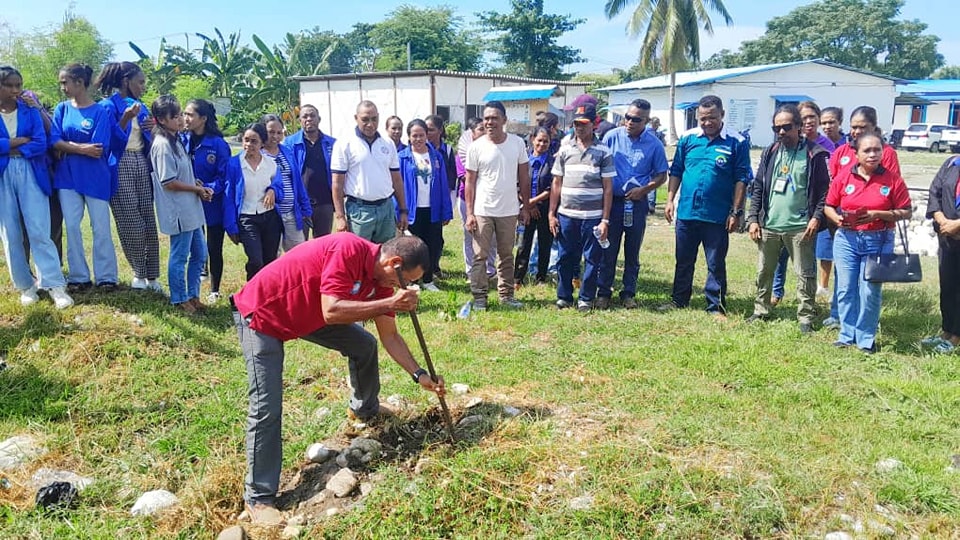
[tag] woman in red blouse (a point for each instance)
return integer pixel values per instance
(865, 201)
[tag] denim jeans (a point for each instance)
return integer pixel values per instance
(264, 359)
(20, 197)
(104, 253)
(186, 249)
(715, 239)
(577, 241)
(780, 274)
(632, 238)
(857, 299)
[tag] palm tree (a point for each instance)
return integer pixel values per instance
(671, 35)
(228, 63)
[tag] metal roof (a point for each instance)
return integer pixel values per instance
(788, 98)
(694, 78)
(929, 91)
(522, 93)
(442, 72)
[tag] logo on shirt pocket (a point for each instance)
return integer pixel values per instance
(885, 190)
(721, 161)
(849, 189)
(211, 158)
(86, 123)
(356, 288)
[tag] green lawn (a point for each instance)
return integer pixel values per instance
(668, 425)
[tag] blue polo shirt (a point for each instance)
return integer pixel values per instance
(709, 171)
(637, 160)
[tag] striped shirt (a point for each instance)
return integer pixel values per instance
(285, 204)
(583, 171)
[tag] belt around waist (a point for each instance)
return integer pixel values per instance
(362, 202)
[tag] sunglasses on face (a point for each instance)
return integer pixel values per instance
(785, 128)
(637, 119)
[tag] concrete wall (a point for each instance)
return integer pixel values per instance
(937, 113)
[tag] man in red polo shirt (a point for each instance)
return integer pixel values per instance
(319, 291)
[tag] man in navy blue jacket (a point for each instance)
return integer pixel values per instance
(311, 153)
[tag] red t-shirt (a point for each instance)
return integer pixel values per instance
(283, 299)
(845, 157)
(884, 191)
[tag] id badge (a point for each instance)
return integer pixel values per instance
(780, 185)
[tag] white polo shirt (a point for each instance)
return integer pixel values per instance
(366, 165)
(496, 166)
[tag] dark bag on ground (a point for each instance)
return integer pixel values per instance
(893, 268)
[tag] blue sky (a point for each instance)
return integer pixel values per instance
(602, 42)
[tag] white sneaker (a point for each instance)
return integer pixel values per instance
(60, 298)
(138, 283)
(28, 297)
(154, 285)
(823, 292)
(430, 287)
(213, 297)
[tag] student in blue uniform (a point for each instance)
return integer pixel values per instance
(294, 205)
(24, 192)
(210, 155)
(81, 131)
(132, 204)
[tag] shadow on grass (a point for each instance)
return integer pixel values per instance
(25, 392)
(38, 322)
(908, 315)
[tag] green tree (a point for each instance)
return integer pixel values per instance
(670, 32)
(526, 38)
(722, 59)
(40, 55)
(228, 64)
(276, 90)
(435, 36)
(321, 52)
(947, 72)
(860, 33)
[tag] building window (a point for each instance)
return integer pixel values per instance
(954, 118)
(918, 114)
(443, 112)
(473, 111)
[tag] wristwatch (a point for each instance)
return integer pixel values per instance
(737, 213)
(419, 373)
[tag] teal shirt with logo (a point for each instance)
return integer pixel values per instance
(709, 171)
(787, 210)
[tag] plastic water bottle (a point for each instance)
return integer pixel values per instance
(628, 213)
(465, 309)
(605, 243)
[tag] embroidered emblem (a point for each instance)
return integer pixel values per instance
(356, 288)
(211, 158)
(86, 123)
(885, 190)
(721, 161)
(849, 189)
(844, 160)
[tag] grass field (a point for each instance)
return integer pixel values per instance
(632, 424)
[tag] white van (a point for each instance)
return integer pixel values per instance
(924, 137)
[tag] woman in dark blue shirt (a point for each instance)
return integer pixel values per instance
(541, 162)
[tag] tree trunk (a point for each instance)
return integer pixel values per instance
(672, 132)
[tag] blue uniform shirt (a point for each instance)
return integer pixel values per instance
(637, 160)
(709, 171)
(87, 176)
(210, 156)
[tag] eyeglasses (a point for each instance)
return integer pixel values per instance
(786, 128)
(637, 119)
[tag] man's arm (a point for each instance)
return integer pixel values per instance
(339, 214)
(397, 348)
(469, 196)
(339, 311)
(669, 210)
(733, 220)
(399, 195)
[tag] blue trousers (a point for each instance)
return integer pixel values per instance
(104, 253)
(780, 274)
(715, 240)
(187, 249)
(576, 240)
(857, 299)
(632, 238)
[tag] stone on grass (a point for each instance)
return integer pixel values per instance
(291, 531)
(474, 401)
(316, 500)
(888, 465)
(954, 463)
(332, 511)
(459, 388)
(45, 477)
(361, 452)
(153, 502)
(366, 488)
(511, 411)
(468, 421)
(18, 450)
(837, 535)
(396, 401)
(318, 453)
(233, 533)
(342, 483)
(321, 413)
(298, 520)
(584, 502)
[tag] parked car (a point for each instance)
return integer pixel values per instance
(925, 137)
(951, 138)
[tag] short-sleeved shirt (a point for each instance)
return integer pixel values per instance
(787, 210)
(497, 166)
(284, 299)
(424, 178)
(845, 156)
(177, 211)
(583, 171)
(885, 190)
(366, 165)
(637, 160)
(709, 171)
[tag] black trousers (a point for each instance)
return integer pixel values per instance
(432, 235)
(260, 236)
(215, 255)
(949, 257)
(541, 226)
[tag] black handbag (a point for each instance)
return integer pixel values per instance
(893, 268)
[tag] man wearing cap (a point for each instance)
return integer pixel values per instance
(366, 181)
(579, 203)
(641, 165)
(601, 126)
(710, 169)
(496, 170)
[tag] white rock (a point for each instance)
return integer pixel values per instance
(837, 535)
(887, 465)
(584, 502)
(366, 488)
(332, 511)
(291, 531)
(511, 411)
(233, 533)
(321, 412)
(318, 499)
(45, 477)
(847, 519)
(459, 388)
(18, 450)
(153, 502)
(474, 401)
(342, 483)
(396, 401)
(298, 520)
(318, 453)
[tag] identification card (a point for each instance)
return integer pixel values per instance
(780, 185)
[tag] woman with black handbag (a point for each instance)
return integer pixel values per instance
(865, 201)
(943, 207)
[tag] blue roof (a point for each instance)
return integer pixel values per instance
(521, 93)
(694, 78)
(934, 90)
(787, 98)
(686, 105)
